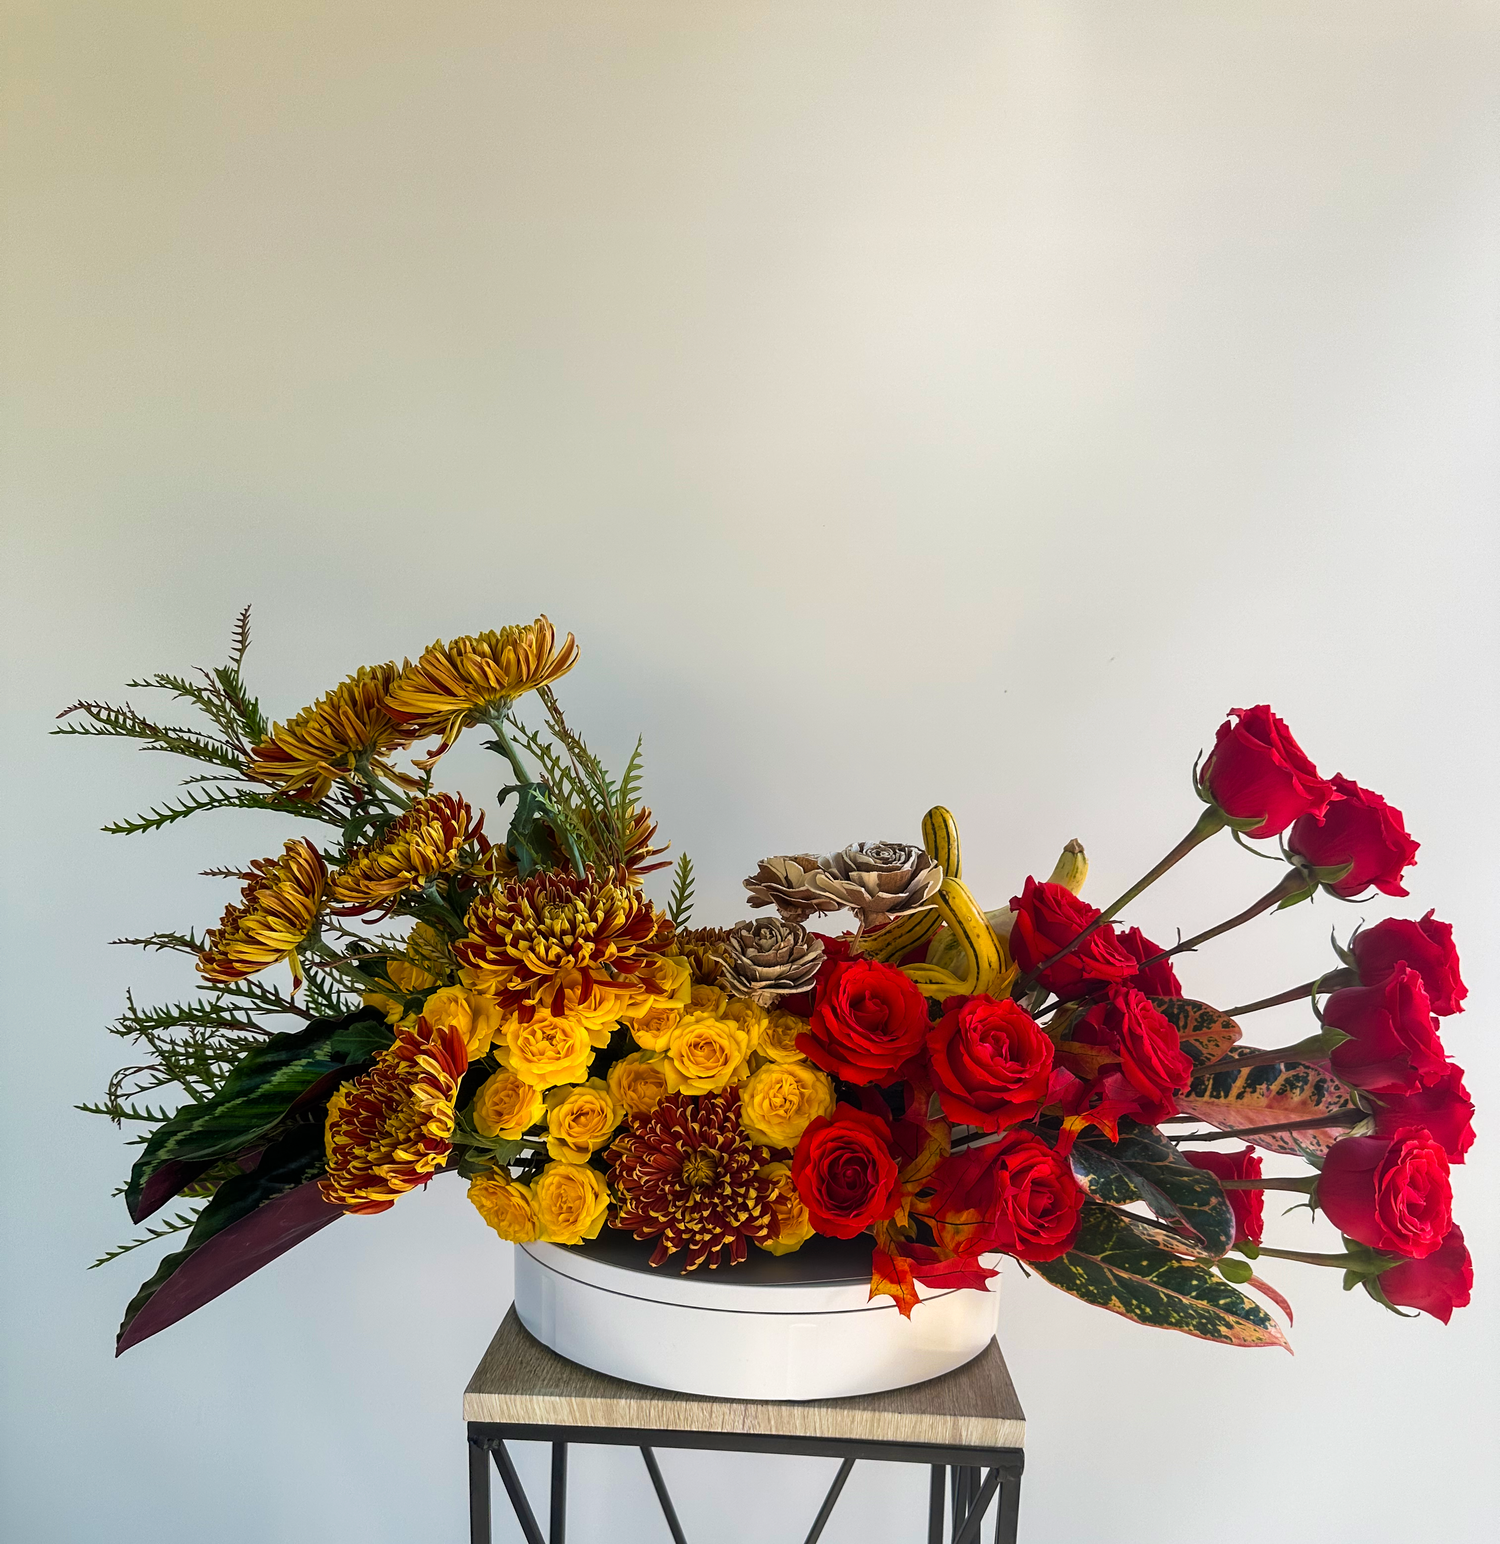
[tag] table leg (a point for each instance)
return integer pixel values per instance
(479, 1495)
(1008, 1518)
(935, 1497)
(517, 1493)
(557, 1516)
(659, 1485)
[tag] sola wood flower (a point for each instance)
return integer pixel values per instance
(425, 842)
(321, 744)
(475, 678)
(790, 885)
(391, 1129)
(689, 1177)
(879, 881)
(277, 910)
(557, 940)
(769, 959)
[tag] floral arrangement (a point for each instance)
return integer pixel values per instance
(954, 1082)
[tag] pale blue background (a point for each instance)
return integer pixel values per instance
(902, 402)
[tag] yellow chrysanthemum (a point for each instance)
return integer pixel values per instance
(506, 1106)
(476, 1017)
(795, 1227)
(778, 1103)
(309, 753)
(571, 1203)
(703, 1055)
(391, 1129)
(778, 1040)
(581, 1120)
(473, 679)
(424, 965)
(277, 909)
(638, 1082)
(507, 1205)
(555, 940)
(428, 840)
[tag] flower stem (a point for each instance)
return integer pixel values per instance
(496, 720)
(1305, 1185)
(1331, 982)
(1340, 1262)
(1349, 1117)
(1293, 882)
(1209, 823)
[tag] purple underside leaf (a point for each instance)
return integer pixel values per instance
(231, 1255)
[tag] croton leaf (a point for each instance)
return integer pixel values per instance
(286, 1073)
(247, 1224)
(1267, 1096)
(1206, 1034)
(1113, 1267)
(1176, 1193)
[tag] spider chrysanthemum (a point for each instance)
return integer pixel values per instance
(391, 1129)
(689, 1177)
(276, 911)
(428, 840)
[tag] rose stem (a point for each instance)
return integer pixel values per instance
(1345, 1262)
(1305, 1185)
(1328, 983)
(1293, 881)
(1350, 1117)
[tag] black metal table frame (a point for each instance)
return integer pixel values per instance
(965, 1480)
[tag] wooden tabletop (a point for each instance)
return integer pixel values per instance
(520, 1381)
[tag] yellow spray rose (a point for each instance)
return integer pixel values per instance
(547, 1051)
(507, 1205)
(751, 1018)
(778, 1040)
(571, 1202)
(787, 1205)
(670, 974)
(505, 1106)
(638, 1082)
(421, 968)
(651, 1027)
(475, 1016)
(779, 1102)
(703, 1055)
(581, 1120)
(709, 1000)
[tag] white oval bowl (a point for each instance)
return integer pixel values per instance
(735, 1337)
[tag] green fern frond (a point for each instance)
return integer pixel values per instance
(117, 1112)
(178, 1224)
(240, 641)
(680, 907)
(628, 794)
(177, 943)
(244, 799)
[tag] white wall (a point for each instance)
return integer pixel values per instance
(960, 401)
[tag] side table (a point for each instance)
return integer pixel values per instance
(967, 1427)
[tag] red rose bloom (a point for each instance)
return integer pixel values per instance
(1390, 1192)
(1393, 1044)
(868, 1019)
(1425, 947)
(844, 1172)
(1158, 980)
(1048, 918)
(1257, 769)
(1436, 1285)
(1016, 1196)
(1248, 1205)
(1358, 827)
(1443, 1107)
(990, 1062)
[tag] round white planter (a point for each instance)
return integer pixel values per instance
(787, 1328)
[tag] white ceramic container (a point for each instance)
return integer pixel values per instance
(787, 1328)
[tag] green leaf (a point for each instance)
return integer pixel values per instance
(255, 1098)
(681, 906)
(1173, 1190)
(1269, 1095)
(1206, 1034)
(1112, 1267)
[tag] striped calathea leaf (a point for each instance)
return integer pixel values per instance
(1113, 1267)
(288, 1073)
(1206, 1034)
(1276, 1093)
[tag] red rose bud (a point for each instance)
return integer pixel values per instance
(1443, 1107)
(1256, 770)
(1393, 1043)
(1248, 1205)
(1425, 947)
(1390, 1192)
(1016, 1196)
(1358, 827)
(868, 1019)
(1049, 918)
(1158, 980)
(1437, 1284)
(844, 1172)
(990, 1062)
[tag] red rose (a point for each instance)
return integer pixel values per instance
(1425, 947)
(1393, 1044)
(1443, 1107)
(1390, 1192)
(1016, 1196)
(1048, 918)
(1158, 980)
(868, 1019)
(1436, 1285)
(1358, 827)
(836, 951)
(1248, 1205)
(1257, 769)
(990, 1062)
(844, 1172)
